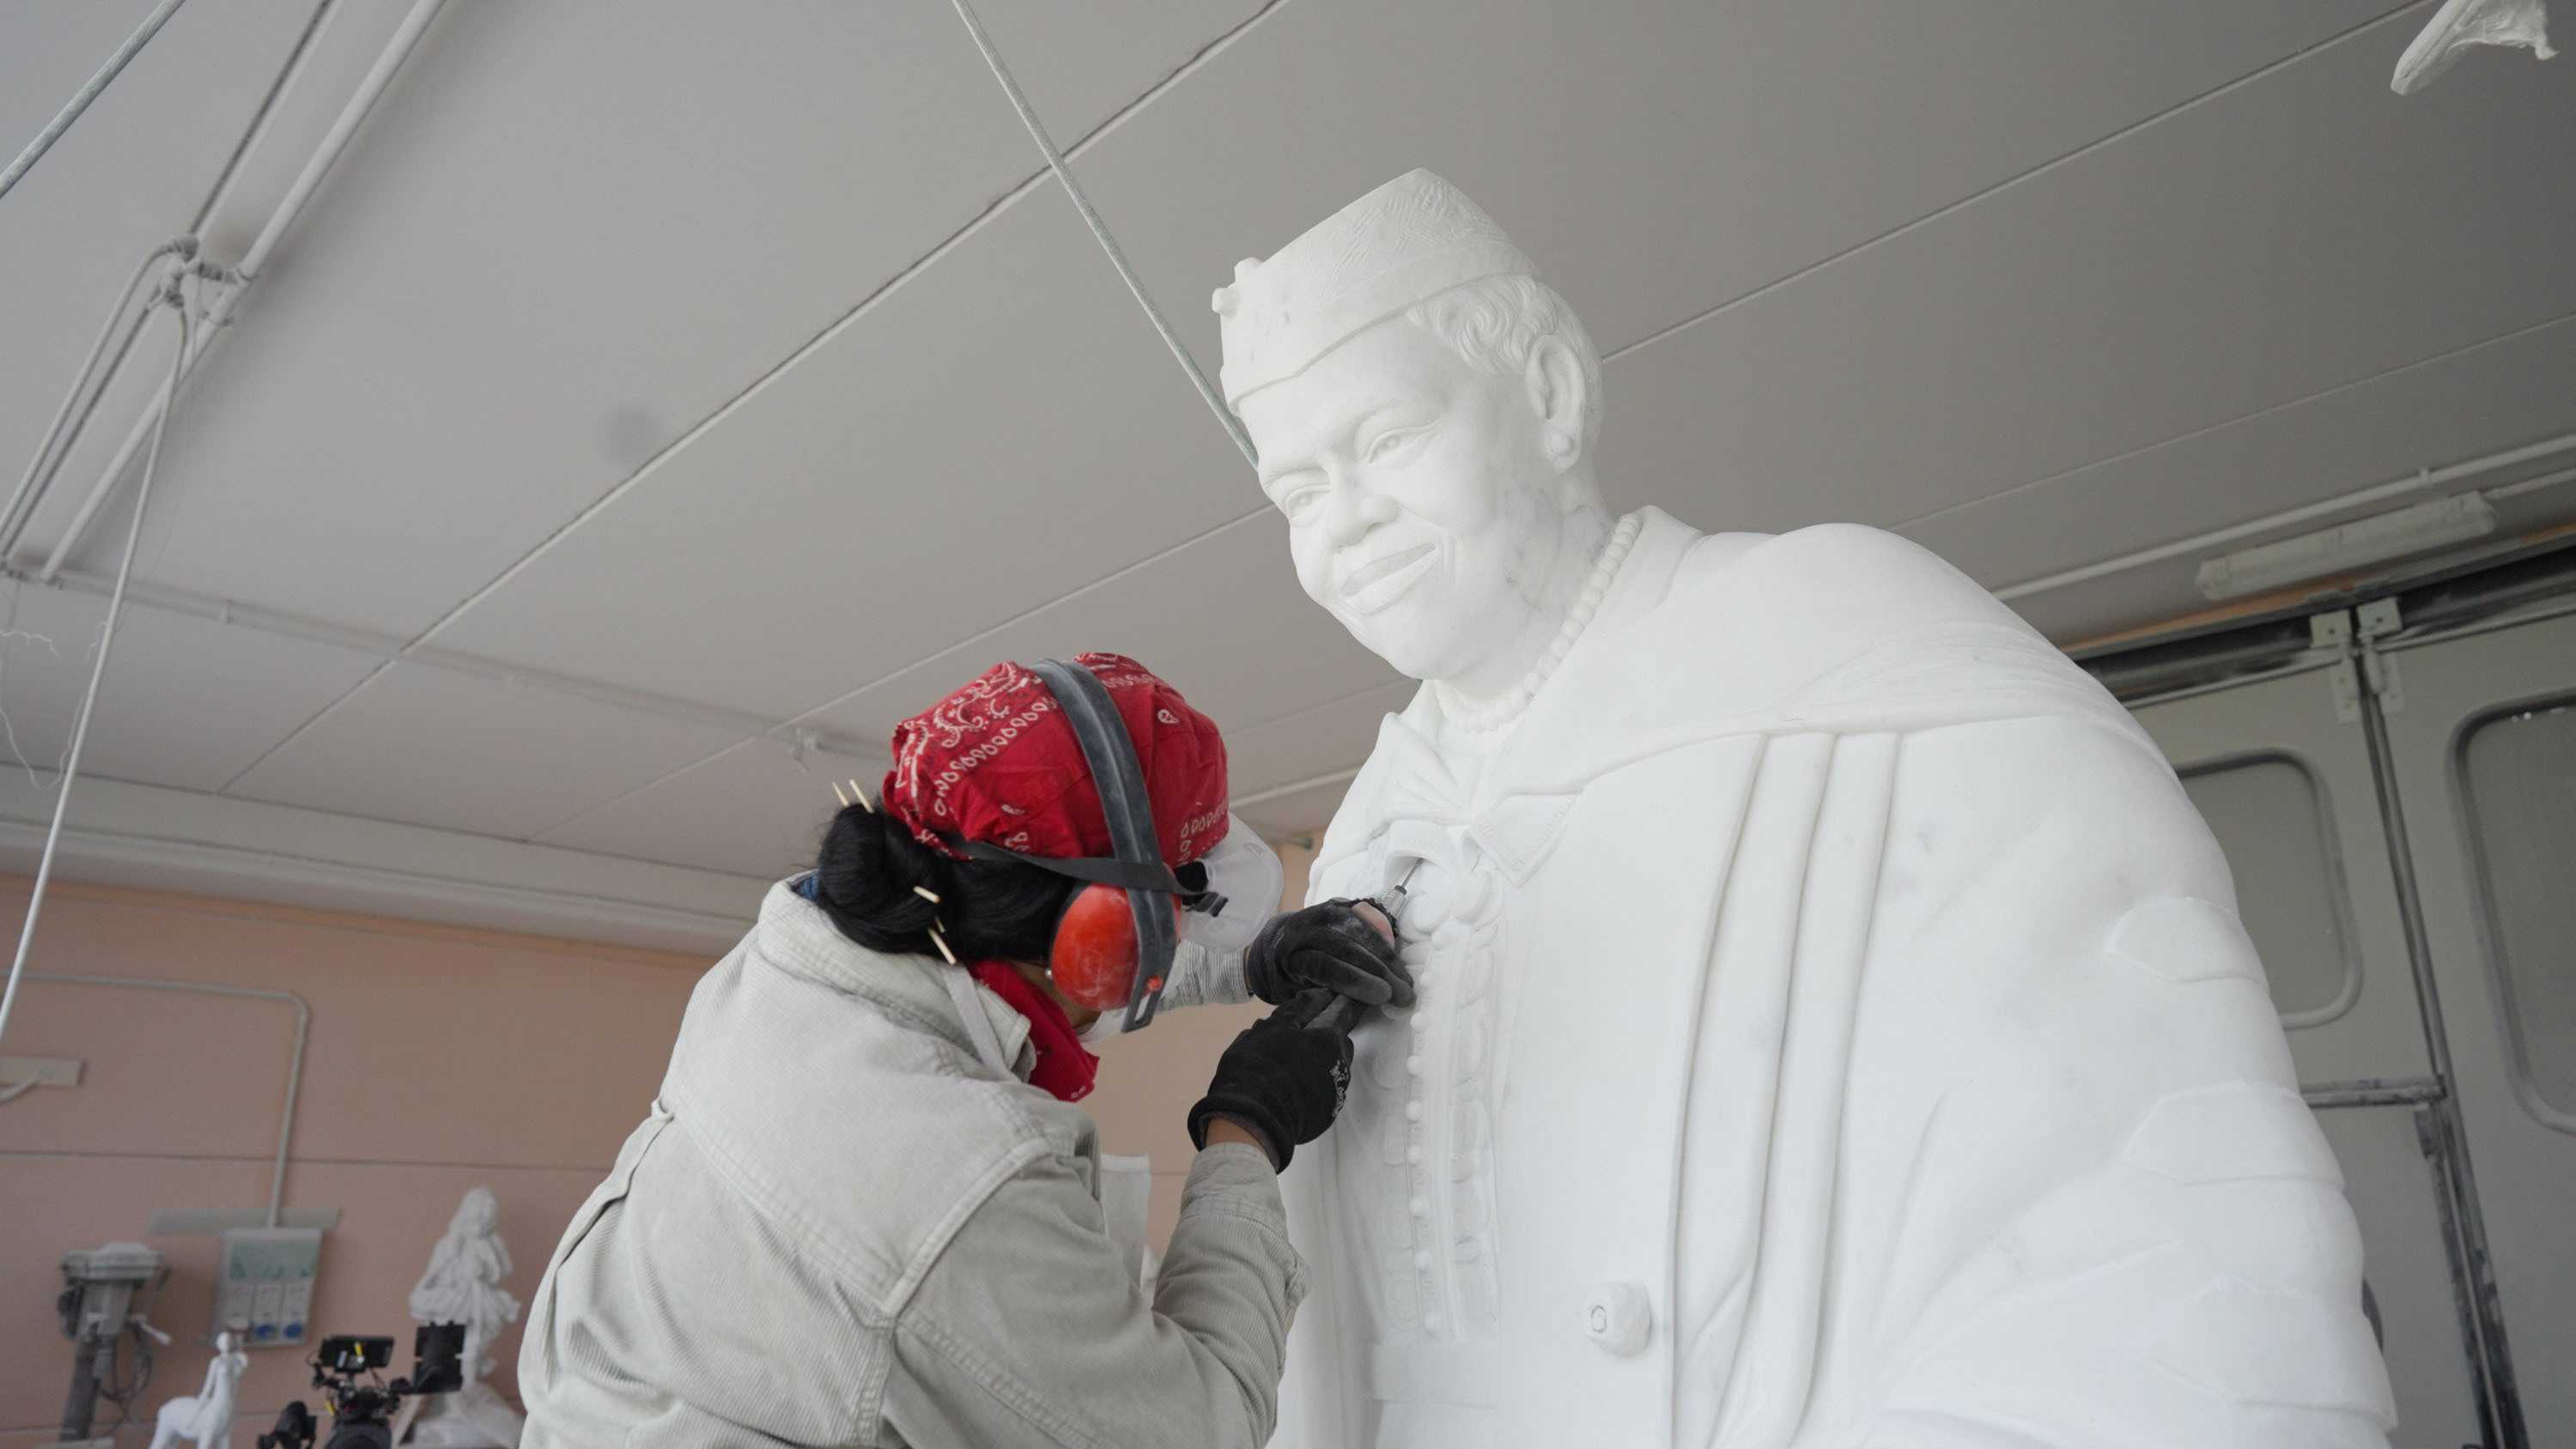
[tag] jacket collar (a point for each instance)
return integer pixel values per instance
(795, 936)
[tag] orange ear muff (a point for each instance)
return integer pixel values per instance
(1094, 957)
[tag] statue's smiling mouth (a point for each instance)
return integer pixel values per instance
(1380, 582)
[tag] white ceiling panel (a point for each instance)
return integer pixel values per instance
(1312, 742)
(752, 810)
(1003, 429)
(2428, 415)
(2292, 236)
(1222, 619)
(568, 235)
(1655, 159)
(431, 747)
(187, 702)
(126, 177)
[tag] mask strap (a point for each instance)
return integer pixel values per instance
(1120, 781)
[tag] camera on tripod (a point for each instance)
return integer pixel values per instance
(362, 1412)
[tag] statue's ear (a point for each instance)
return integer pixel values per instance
(1559, 395)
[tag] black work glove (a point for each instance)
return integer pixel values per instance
(1330, 946)
(1284, 1077)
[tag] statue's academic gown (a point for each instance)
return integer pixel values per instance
(1842, 1034)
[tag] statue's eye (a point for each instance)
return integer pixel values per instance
(1300, 501)
(1387, 445)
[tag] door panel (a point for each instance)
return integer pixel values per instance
(2482, 735)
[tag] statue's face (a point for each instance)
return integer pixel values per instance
(1421, 504)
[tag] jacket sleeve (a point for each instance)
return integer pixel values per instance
(1030, 1331)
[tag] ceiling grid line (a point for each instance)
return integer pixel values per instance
(2018, 178)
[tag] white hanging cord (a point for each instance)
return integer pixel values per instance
(63, 119)
(174, 296)
(184, 248)
(1100, 232)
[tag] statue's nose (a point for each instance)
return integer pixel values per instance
(1352, 511)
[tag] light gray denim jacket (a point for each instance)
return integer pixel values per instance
(838, 1226)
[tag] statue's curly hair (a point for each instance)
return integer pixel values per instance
(1495, 322)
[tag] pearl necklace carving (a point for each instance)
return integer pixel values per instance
(1494, 714)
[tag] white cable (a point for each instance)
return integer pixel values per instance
(1100, 233)
(63, 119)
(15, 1090)
(185, 246)
(176, 299)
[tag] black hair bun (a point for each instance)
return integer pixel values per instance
(866, 877)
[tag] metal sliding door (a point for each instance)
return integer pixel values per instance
(2481, 742)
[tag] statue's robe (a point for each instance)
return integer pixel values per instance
(1838, 1031)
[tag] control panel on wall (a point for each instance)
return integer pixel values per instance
(264, 1284)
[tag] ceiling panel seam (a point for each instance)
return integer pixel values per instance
(2053, 479)
(2067, 158)
(325, 712)
(979, 635)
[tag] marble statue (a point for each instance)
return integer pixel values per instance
(206, 1420)
(463, 1285)
(1836, 1027)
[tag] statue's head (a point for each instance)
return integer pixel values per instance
(1423, 408)
(478, 1214)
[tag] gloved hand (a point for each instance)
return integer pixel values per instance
(1284, 1078)
(1331, 946)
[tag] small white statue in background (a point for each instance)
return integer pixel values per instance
(207, 1419)
(463, 1285)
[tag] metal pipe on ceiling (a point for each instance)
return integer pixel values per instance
(344, 128)
(22, 500)
(50, 457)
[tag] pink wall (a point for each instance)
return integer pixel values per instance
(440, 1059)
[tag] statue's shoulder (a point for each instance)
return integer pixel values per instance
(1834, 567)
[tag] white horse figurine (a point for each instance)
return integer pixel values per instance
(206, 1419)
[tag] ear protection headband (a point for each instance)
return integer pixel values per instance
(1115, 941)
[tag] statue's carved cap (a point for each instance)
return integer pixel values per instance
(1406, 242)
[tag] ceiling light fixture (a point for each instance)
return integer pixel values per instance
(2358, 544)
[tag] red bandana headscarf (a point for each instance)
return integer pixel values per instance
(995, 761)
